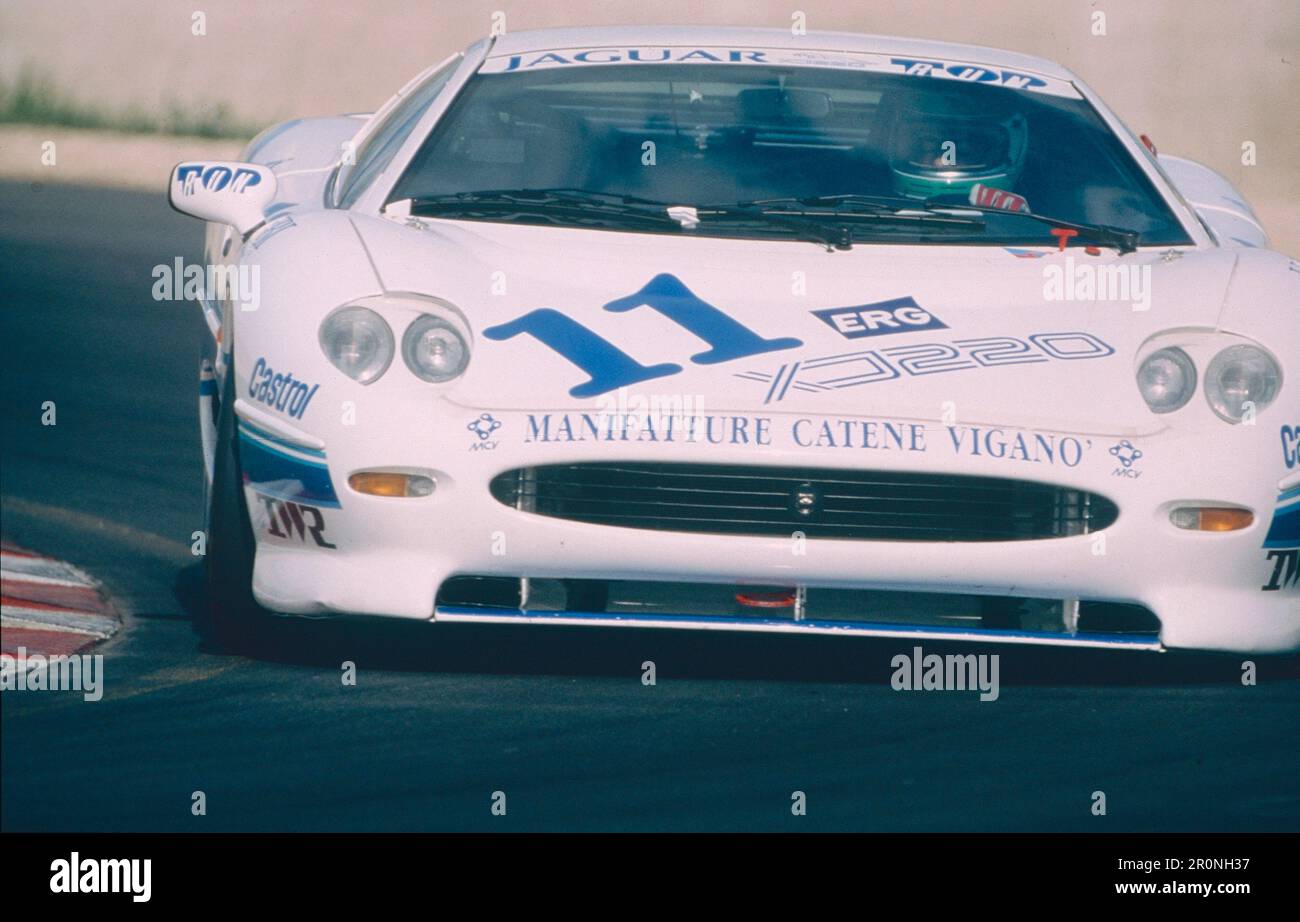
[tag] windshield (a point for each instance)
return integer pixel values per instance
(387, 137)
(705, 134)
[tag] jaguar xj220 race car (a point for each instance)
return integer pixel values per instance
(736, 330)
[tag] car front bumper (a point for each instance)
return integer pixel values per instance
(389, 556)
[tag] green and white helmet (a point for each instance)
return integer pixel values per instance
(943, 142)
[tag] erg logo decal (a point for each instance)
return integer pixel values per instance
(899, 315)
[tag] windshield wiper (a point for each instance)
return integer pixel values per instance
(893, 207)
(857, 200)
(1121, 238)
(823, 219)
(586, 204)
(829, 228)
(831, 234)
(576, 203)
(857, 209)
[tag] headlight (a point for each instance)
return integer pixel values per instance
(434, 349)
(358, 342)
(1241, 375)
(1167, 380)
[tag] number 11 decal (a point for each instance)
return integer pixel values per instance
(728, 338)
(609, 367)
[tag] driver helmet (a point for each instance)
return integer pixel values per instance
(943, 142)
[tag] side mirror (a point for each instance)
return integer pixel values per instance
(224, 191)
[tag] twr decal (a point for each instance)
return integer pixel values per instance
(294, 520)
(1286, 570)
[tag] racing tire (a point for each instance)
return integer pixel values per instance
(229, 615)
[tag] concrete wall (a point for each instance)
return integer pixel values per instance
(1199, 76)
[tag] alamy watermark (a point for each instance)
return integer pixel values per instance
(921, 671)
(180, 281)
(658, 416)
(75, 874)
(1090, 280)
(83, 673)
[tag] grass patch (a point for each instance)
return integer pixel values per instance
(35, 100)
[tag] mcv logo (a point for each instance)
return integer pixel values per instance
(215, 178)
(609, 367)
(901, 315)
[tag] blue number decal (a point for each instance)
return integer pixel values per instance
(727, 338)
(609, 367)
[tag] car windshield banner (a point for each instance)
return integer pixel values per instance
(911, 65)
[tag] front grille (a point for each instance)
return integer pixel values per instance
(820, 503)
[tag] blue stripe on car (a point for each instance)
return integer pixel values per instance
(279, 440)
(1284, 531)
(284, 476)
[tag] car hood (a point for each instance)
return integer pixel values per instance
(573, 319)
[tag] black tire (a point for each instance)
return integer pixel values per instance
(229, 615)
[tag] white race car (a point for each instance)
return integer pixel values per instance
(737, 330)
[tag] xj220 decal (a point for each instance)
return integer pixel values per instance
(870, 366)
(609, 367)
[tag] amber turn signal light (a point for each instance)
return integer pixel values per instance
(387, 483)
(1211, 518)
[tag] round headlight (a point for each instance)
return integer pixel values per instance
(1240, 376)
(434, 349)
(1167, 380)
(358, 342)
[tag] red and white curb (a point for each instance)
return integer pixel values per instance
(48, 607)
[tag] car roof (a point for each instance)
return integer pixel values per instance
(540, 40)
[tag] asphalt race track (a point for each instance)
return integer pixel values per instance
(558, 719)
